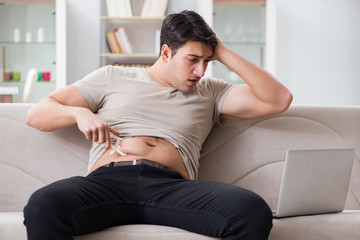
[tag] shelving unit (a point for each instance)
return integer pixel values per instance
(28, 41)
(141, 32)
(134, 18)
(241, 26)
(143, 45)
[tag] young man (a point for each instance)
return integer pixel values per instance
(163, 115)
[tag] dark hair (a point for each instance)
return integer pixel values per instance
(179, 28)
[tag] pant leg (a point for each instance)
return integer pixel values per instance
(81, 205)
(209, 208)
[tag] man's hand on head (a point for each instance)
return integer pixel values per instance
(219, 50)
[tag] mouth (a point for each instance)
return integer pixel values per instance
(193, 81)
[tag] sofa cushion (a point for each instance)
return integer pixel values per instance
(144, 232)
(339, 226)
(12, 228)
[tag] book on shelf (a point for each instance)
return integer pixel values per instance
(119, 8)
(112, 43)
(154, 8)
(123, 41)
(157, 41)
(117, 43)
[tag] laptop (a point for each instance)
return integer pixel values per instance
(314, 181)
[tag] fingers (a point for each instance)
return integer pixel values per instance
(114, 131)
(103, 136)
(99, 133)
(107, 136)
(95, 129)
(95, 135)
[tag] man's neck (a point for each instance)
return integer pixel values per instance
(157, 72)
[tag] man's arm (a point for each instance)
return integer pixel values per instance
(67, 107)
(262, 95)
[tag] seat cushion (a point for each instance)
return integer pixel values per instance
(337, 226)
(144, 232)
(12, 228)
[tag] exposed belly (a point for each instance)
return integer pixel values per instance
(151, 148)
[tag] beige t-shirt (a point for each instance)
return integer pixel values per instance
(135, 104)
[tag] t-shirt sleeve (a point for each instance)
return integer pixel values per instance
(219, 89)
(94, 86)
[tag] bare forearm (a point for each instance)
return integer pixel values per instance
(49, 115)
(262, 84)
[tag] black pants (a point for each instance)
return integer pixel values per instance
(112, 196)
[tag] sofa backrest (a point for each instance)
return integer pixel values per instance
(249, 154)
(30, 159)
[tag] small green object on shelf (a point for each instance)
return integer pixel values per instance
(16, 76)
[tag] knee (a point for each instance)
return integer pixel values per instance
(47, 204)
(255, 218)
(262, 217)
(41, 204)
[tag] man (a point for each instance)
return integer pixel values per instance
(163, 114)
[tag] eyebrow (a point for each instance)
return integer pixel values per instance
(199, 56)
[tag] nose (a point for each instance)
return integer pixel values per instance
(200, 69)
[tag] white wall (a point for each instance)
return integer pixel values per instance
(83, 38)
(313, 47)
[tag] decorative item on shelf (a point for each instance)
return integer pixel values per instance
(43, 76)
(119, 8)
(40, 35)
(46, 76)
(39, 78)
(16, 76)
(16, 35)
(28, 37)
(7, 76)
(12, 76)
(29, 86)
(154, 8)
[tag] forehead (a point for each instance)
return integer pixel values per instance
(196, 48)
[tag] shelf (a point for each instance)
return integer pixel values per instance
(244, 43)
(132, 55)
(27, 43)
(27, 1)
(9, 90)
(22, 82)
(240, 2)
(135, 18)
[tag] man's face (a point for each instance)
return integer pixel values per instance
(188, 65)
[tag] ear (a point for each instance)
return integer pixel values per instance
(165, 53)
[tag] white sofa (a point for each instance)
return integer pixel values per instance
(246, 153)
